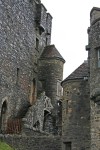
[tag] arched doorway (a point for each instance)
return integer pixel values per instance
(3, 117)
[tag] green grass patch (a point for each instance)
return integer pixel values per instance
(4, 146)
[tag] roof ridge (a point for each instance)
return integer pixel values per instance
(79, 73)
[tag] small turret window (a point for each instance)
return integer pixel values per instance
(17, 80)
(99, 58)
(37, 44)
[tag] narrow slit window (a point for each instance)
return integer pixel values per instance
(66, 106)
(33, 92)
(99, 58)
(17, 80)
(37, 43)
(46, 41)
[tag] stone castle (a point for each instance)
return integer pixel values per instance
(34, 113)
(81, 102)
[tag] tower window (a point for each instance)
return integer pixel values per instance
(3, 120)
(66, 106)
(98, 58)
(17, 80)
(33, 92)
(46, 41)
(37, 43)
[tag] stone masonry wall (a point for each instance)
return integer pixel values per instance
(76, 115)
(33, 143)
(94, 70)
(94, 44)
(21, 43)
(50, 72)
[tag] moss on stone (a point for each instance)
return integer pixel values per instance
(4, 146)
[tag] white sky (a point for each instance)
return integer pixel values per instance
(71, 18)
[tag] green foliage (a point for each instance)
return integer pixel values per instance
(4, 146)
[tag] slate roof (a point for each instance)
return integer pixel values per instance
(50, 51)
(94, 8)
(79, 73)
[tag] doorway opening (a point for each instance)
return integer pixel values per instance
(4, 117)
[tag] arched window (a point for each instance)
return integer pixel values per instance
(4, 117)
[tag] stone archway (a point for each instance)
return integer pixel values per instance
(3, 117)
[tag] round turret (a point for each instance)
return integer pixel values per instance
(51, 71)
(51, 75)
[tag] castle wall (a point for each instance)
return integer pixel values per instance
(94, 44)
(33, 143)
(76, 115)
(23, 33)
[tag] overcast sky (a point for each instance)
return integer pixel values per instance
(71, 18)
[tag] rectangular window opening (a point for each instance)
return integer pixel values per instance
(67, 146)
(66, 106)
(17, 80)
(46, 41)
(37, 43)
(33, 91)
(99, 58)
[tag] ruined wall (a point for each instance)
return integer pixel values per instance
(23, 35)
(33, 143)
(94, 50)
(76, 115)
(36, 115)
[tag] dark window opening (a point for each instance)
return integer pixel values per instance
(37, 125)
(66, 106)
(17, 80)
(48, 123)
(4, 107)
(46, 41)
(33, 91)
(3, 119)
(67, 145)
(45, 113)
(37, 43)
(41, 30)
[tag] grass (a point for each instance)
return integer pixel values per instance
(4, 146)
